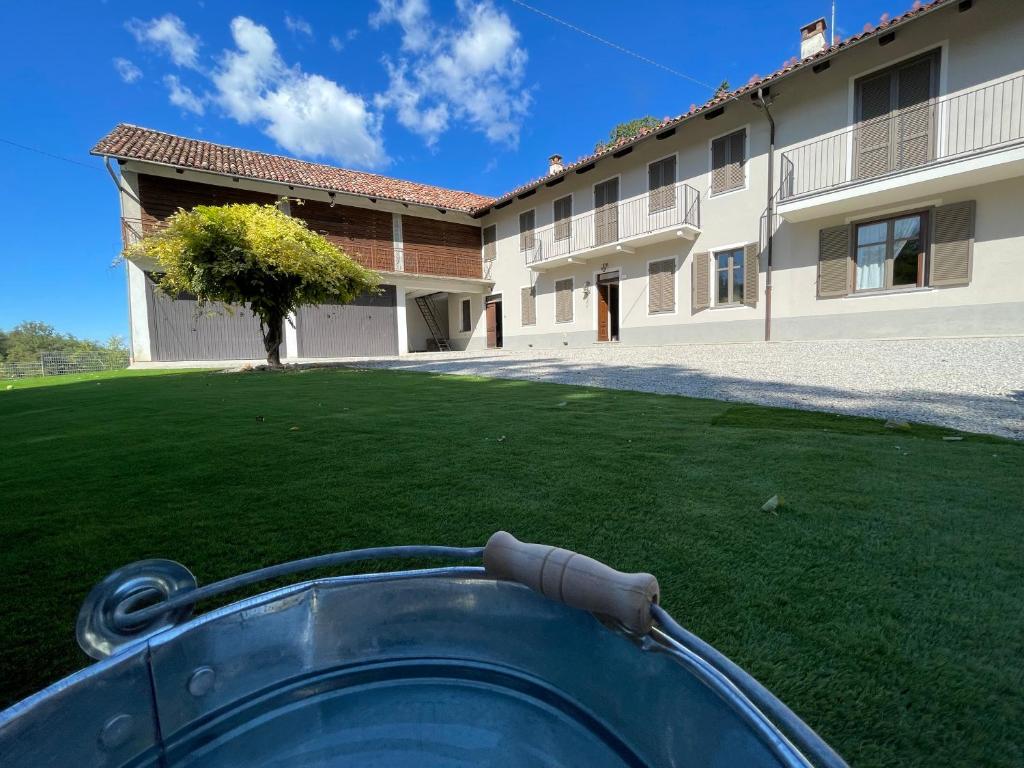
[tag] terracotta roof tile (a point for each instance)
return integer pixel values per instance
(131, 142)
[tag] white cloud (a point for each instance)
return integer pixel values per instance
(182, 96)
(414, 18)
(168, 34)
(299, 25)
(127, 70)
(471, 70)
(338, 42)
(307, 114)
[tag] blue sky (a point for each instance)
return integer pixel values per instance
(468, 94)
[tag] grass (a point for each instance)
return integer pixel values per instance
(884, 602)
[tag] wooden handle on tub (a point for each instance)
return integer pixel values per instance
(574, 579)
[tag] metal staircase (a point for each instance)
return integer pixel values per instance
(429, 310)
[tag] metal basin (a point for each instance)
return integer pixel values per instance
(440, 667)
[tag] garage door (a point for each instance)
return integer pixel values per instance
(364, 328)
(181, 329)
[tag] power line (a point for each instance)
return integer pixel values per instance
(610, 44)
(48, 154)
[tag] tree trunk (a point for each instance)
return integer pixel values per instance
(273, 335)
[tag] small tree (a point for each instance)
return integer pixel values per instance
(627, 130)
(254, 255)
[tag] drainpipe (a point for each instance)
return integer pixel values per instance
(763, 102)
(127, 278)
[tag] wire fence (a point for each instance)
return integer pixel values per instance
(63, 363)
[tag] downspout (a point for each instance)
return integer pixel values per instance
(763, 103)
(127, 278)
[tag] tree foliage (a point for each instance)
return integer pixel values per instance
(27, 341)
(252, 255)
(628, 130)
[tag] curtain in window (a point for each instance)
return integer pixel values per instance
(871, 241)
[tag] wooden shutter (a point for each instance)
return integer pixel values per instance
(751, 284)
(873, 135)
(661, 286)
(719, 159)
(528, 299)
(700, 290)
(526, 236)
(563, 301)
(661, 180)
(952, 244)
(737, 159)
(834, 262)
(728, 159)
(563, 217)
(490, 236)
(606, 213)
(914, 121)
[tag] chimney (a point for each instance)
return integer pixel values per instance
(812, 38)
(555, 165)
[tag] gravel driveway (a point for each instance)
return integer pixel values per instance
(976, 385)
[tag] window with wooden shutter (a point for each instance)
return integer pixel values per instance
(896, 117)
(528, 299)
(952, 244)
(661, 185)
(490, 238)
(661, 286)
(563, 217)
(730, 277)
(750, 271)
(729, 162)
(527, 241)
(700, 273)
(834, 262)
(563, 301)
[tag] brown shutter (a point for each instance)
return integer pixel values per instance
(873, 135)
(528, 299)
(914, 123)
(700, 292)
(661, 179)
(737, 159)
(751, 284)
(563, 301)
(661, 288)
(719, 159)
(606, 214)
(563, 217)
(526, 237)
(834, 262)
(490, 236)
(952, 244)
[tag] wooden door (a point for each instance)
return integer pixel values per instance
(602, 312)
(492, 325)
(606, 212)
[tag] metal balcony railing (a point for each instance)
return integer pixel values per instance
(661, 209)
(937, 131)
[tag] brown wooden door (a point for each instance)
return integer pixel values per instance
(602, 312)
(606, 212)
(492, 325)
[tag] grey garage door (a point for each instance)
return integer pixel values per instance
(366, 327)
(180, 329)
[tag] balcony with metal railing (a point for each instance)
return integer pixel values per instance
(946, 143)
(661, 214)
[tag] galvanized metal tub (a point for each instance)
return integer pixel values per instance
(438, 667)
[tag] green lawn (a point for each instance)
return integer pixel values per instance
(884, 603)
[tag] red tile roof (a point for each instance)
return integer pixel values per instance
(920, 7)
(130, 142)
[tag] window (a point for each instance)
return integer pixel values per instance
(529, 305)
(729, 278)
(661, 286)
(728, 162)
(490, 236)
(526, 224)
(661, 181)
(467, 320)
(563, 301)
(890, 253)
(563, 217)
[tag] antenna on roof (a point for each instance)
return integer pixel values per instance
(833, 41)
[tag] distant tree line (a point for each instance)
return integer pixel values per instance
(27, 341)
